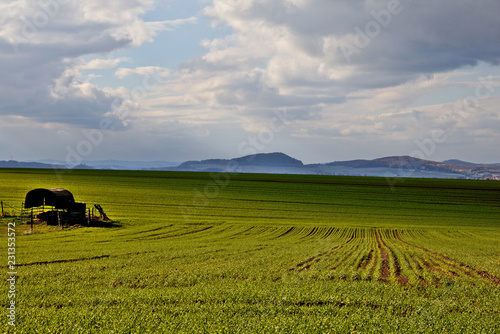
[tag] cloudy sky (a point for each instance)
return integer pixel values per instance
(320, 80)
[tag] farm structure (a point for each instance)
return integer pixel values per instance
(60, 204)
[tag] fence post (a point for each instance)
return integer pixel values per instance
(31, 220)
(3, 215)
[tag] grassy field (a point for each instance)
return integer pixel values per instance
(220, 253)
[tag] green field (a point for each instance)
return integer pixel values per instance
(250, 253)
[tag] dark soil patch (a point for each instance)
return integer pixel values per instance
(365, 260)
(384, 270)
(468, 270)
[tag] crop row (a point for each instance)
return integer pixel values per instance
(386, 255)
(369, 254)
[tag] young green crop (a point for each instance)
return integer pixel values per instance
(259, 253)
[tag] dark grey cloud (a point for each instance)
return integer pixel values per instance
(395, 40)
(431, 36)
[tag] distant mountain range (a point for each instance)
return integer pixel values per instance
(397, 166)
(100, 164)
(280, 163)
(19, 164)
(263, 161)
(460, 162)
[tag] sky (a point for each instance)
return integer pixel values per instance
(319, 80)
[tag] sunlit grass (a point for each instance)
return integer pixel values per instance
(260, 253)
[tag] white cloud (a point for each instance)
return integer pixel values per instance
(143, 71)
(99, 64)
(40, 48)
